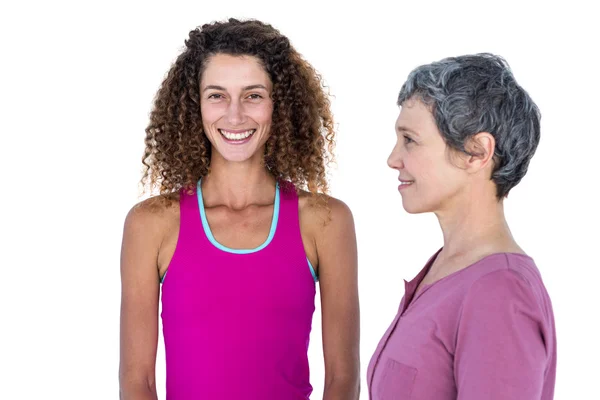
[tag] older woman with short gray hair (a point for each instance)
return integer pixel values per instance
(477, 322)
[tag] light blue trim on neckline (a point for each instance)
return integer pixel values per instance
(218, 245)
(312, 270)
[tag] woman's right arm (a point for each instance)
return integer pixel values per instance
(142, 237)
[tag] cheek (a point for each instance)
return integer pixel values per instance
(446, 177)
(418, 165)
(262, 113)
(211, 113)
(431, 172)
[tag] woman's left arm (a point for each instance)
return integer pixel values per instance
(337, 269)
(502, 348)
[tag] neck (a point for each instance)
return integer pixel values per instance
(475, 226)
(237, 184)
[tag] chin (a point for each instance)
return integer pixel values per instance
(414, 207)
(414, 210)
(236, 156)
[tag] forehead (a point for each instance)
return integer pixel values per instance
(226, 70)
(416, 116)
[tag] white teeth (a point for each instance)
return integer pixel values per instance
(236, 136)
(406, 183)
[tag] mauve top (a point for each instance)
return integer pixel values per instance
(484, 332)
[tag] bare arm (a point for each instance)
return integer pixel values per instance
(337, 266)
(139, 304)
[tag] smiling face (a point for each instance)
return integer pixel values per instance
(236, 106)
(429, 181)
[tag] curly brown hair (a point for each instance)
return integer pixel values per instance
(301, 143)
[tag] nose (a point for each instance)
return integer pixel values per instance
(395, 159)
(235, 113)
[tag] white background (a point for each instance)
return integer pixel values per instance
(77, 82)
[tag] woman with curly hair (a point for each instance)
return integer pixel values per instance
(477, 322)
(238, 141)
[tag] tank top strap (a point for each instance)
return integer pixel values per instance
(288, 212)
(189, 217)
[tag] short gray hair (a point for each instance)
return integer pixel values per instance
(478, 93)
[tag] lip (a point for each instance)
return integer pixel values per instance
(405, 184)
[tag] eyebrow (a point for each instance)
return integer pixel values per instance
(251, 87)
(405, 129)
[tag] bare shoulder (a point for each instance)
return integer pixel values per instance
(322, 213)
(152, 214)
(151, 221)
(327, 227)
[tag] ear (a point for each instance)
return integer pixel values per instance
(481, 151)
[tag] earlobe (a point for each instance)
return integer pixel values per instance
(481, 150)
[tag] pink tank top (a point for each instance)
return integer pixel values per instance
(236, 323)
